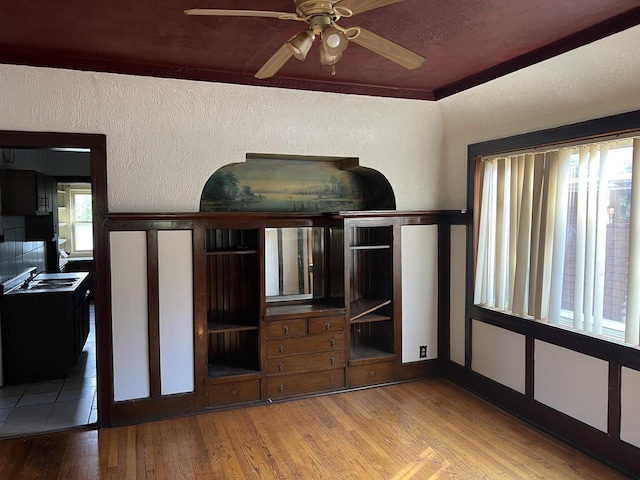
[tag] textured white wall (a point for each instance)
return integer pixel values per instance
(166, 137)
(594, 81)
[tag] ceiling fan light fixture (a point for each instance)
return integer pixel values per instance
(328, 59)
(301, 44)
(334, 40)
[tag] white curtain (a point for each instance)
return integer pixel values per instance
(525, 207)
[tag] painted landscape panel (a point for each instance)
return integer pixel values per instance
(271, 185)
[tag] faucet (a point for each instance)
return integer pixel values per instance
(25, 284)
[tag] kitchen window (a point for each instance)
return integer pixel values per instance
(558, 236)
(81, 221)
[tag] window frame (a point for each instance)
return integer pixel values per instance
(603, 348)
(73, 191)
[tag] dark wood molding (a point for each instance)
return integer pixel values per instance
(97, 144)
(444, 291)
(200, 314)
(148, 409)
(605, 447)
(153, 314)
(614, 414)
(415, 370)
(604, 29)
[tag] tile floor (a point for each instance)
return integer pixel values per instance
(55, 404)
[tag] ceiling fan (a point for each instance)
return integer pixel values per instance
(322, 17)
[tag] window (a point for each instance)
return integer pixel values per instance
(81, 221)
(558, 237)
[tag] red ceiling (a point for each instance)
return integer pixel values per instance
(465, 42)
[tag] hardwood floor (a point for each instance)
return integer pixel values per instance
(428, 429)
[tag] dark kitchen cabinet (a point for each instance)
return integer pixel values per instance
(44, 331)
(33, 195)
(27, 192)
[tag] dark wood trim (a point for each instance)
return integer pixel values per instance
(614, 415)
(415, 370)
(153, 317)
(397, 297)
(148, 409)
(606, 446)
(444, 291)
(598, 444)
(97, 144)
(626, 355)
(588, 130)
(529, 356)
(200, 315)
(58, 60)
(604, 29)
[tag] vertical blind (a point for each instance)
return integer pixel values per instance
(536, 207)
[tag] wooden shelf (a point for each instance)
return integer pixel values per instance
(370, 247)
(232, 252)
(363, 306)
(221, 327)
(366, 354)
(220, 371)
(371, 317)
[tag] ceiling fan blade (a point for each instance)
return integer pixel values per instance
(275, 63)
(394, 52)
(240, 13)
(359, 6)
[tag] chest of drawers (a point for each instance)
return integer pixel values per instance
(305, 352)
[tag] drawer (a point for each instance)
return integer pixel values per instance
(284, 386)
(326, 324)
(305, 363)
(233, 392)
(371, 374)
(324, 342)
(286, 328)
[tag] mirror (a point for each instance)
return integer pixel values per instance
(294, 263)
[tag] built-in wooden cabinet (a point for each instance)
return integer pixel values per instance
(298, 305)
(233, 302)
(305, 349)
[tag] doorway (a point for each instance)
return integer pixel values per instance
(95, 355)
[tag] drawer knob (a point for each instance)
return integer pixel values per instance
(333, 361)
(333, 342)
(280, 367)
(286, 329)
(281, 388)
(281, 348)
(372, 373)
(327, 326)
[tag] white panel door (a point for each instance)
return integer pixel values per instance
(419, 250)
(129, 310)
(175, 291)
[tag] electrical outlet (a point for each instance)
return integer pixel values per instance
(423, 351)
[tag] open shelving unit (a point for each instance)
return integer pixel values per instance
(370, 254)
(233, 299)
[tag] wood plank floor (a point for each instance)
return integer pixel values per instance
(428, 429)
